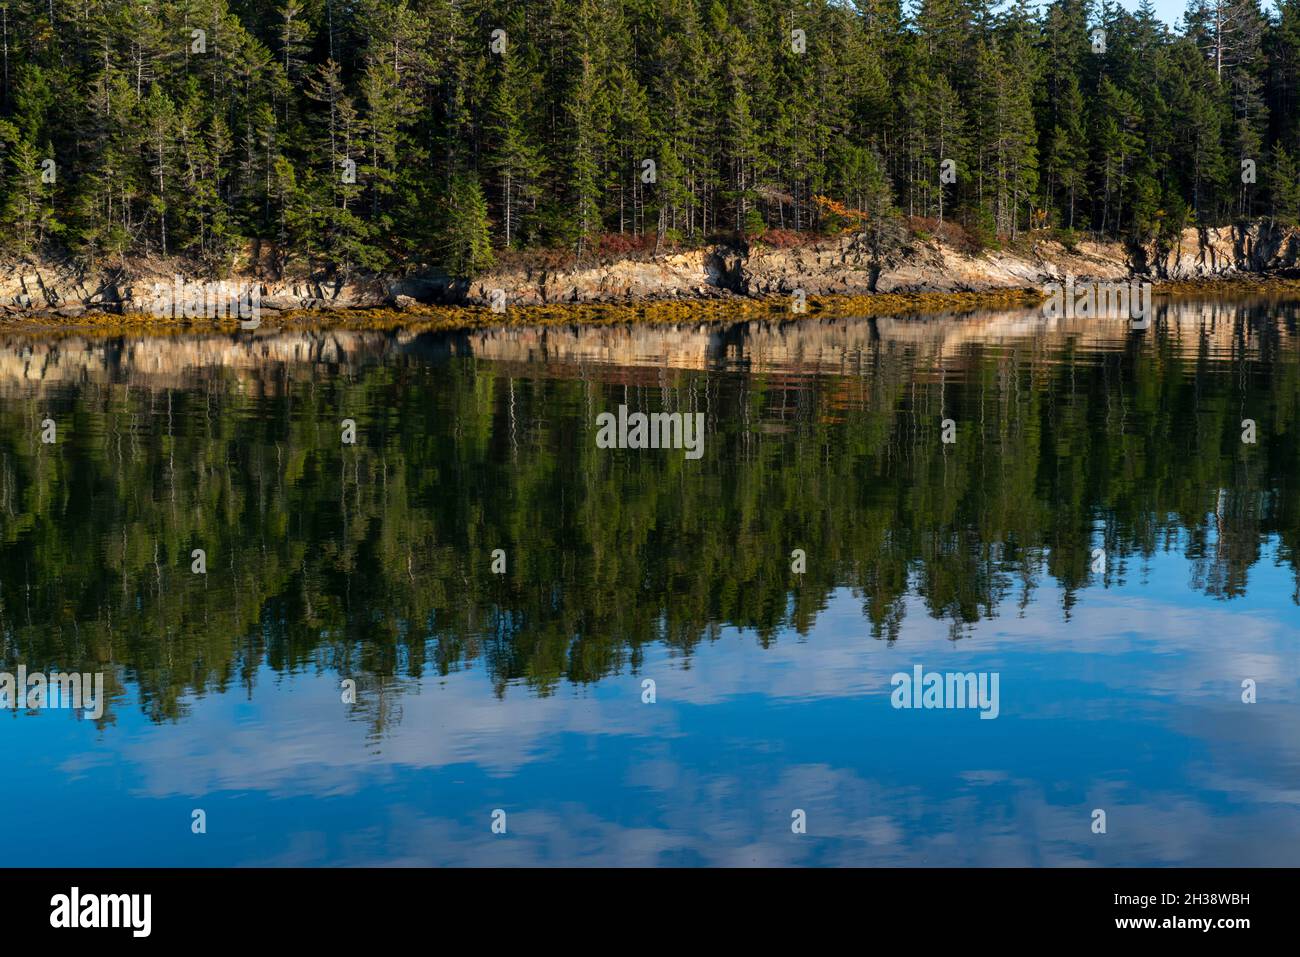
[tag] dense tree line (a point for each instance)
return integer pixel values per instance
(374, 560)
(382, 134)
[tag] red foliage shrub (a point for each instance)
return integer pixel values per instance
(786, 238)
(624, 245)
(948, 232)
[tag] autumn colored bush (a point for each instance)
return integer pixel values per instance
(786, 238)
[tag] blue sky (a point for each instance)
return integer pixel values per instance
(1171, 11)
(1168, 10)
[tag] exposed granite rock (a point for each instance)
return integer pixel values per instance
(841, 265)
(1204, 253)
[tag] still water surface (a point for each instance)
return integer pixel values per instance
(1120, 681)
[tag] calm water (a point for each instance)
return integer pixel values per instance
(1120, 683)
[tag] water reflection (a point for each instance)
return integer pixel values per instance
(1120, 680)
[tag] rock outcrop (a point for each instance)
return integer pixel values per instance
(1206, 253)
(841, 265)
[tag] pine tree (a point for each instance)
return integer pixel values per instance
(1066, 163)
(514, 160)
(586, 147)
(1283, 180)
(28, 216)
(466, 239)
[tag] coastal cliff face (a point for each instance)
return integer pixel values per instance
(838, 266)
(1205, 253)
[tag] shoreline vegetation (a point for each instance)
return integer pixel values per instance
(927, 267)
(721, 282)
(451, 318)
(435, 317)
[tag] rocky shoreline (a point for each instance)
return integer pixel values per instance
(923, 271)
